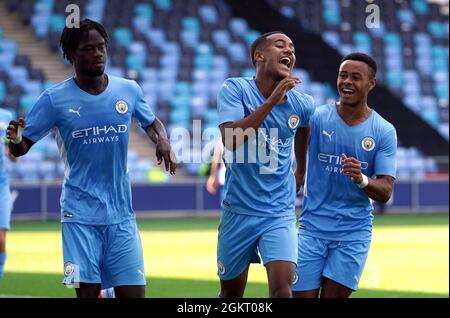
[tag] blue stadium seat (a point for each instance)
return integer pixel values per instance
(437, 29)
(238, 26)
(164, 5)
(135, 62)
(144, 10)
(27, 101)
(156, 37)
(406, 16)
(140, 24)
(190, 23)
(209, 14)
(199, 105)
(238, 52)
(190, 38)
(18, 74)
(394, 78)
(33, 87)
(57, 23)
(393, 39)
(221, 38)
(420, 6)
(40, 24)
(251, 36)
(332, 38)
(8, 46)
(123, 36)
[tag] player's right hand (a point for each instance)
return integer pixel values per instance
(212, 184)
(15, 129)
(285, 85)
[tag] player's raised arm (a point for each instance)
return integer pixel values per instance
(18, 145)
(157, 133)
(251, 123)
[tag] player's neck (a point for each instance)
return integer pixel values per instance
(94, 85)
(265, 85)
(353, 114)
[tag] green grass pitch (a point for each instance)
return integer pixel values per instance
(409, 257)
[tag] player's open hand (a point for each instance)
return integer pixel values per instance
(279, 93)
(164, 153)
(352, 168)
(14, 130)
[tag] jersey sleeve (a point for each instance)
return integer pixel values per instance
(142, 111)
(307, 111)
(229, 103)
(385, 162)
(41, 119)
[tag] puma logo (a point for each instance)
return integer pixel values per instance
(327, 134)
(71, 110)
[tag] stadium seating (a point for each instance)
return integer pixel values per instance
(411, 46)
(181, 54)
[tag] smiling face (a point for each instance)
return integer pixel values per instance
(276, 56)
(354, 82)
(89, 58)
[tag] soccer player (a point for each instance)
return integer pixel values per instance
(5, 195)
(92, 114)
(351, 159)
(258, 209)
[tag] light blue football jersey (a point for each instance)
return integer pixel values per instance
(259, 179)
(5, 117)
(92, 135)
(334, 208)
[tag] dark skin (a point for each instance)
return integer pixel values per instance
(89, 60)
(273, 80)
(354, 83)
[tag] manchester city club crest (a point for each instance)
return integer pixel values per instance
(295, 280)
(69, 268)
(293, 121)
(368, 143)
(220, 268)
(121, 107)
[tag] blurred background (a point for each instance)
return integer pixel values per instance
(180, 52)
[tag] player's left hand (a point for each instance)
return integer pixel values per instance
(352, 168)
(164, 152)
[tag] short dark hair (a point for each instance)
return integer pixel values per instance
(362, 57)
(260, 41)
(70, 37)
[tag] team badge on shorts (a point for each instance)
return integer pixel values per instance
(368, 143)
(121, 107)
(293, 121)
(295, 280)
(220, 268)
(69, 268)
